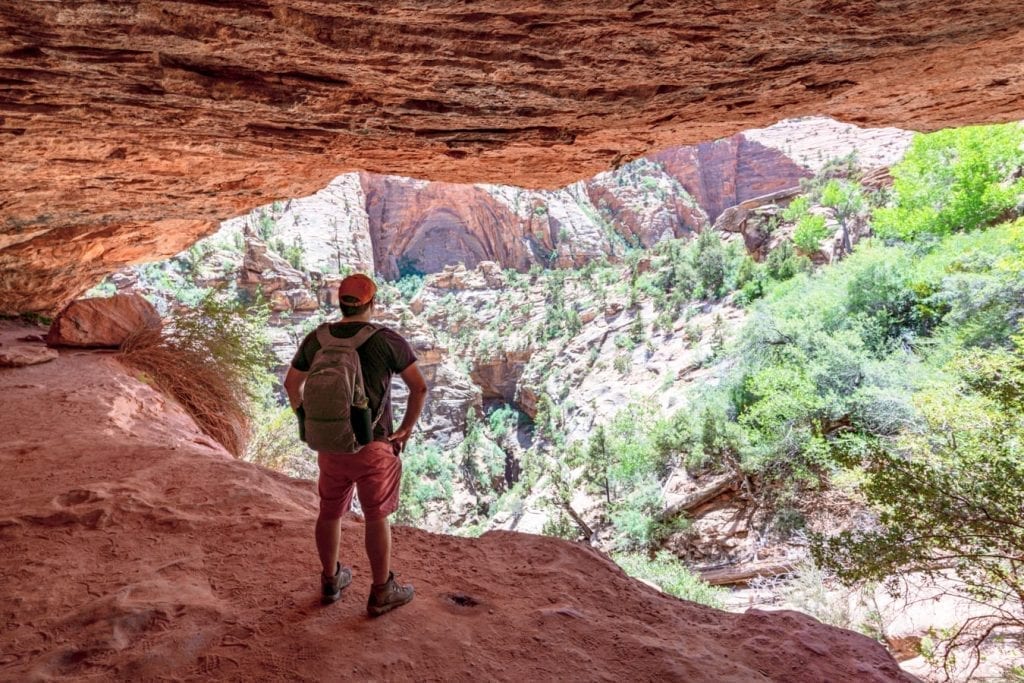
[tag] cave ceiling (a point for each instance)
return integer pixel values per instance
(131, 128)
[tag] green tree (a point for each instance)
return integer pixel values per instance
(810, 231)
(949, 496)
(710, 263)
(846, 199)
(597, 460)
(783, 262)
(954, 180)
(426, 482)
(797, 209)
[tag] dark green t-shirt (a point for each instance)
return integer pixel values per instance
(383, 355)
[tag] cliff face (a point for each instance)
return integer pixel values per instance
(132, 129)
(724, 173)
(419, 226)
(177, 561)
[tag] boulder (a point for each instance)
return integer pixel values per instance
(293, 300)
(102, 322)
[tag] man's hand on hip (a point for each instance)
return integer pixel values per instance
(399, 438)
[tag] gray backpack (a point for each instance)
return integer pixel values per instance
(334, 391)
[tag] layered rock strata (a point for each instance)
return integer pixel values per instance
(130, 130)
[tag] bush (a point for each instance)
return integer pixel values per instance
(212, 359)
(635, 519)
(275, 443)
(672, 576)
(950, 496)
(783, 262)
(810, 231)
(426, 482)
(410, 285)
(797, 209)
(710, 263)
(502, 421)
(622, 362)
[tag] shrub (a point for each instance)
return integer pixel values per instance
(622, 362)
(783, 262)
(672, 576)
(950, 496)
(409, 285)
(810, 231)
(426, 482)
(634, 521)
(295, 254)
(710, 263)
(212, 359)
(503, 420)
(797, 209)
(275, 443)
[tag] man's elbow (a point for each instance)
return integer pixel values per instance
(418, 390)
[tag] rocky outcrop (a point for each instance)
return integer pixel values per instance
(131, 130)
(813, 141)
(202, 566)
(20, 355)
(727, 172)
(284, 287)
(395, 226)
(106, 322)
(330, 227)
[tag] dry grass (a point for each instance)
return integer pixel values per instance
(214, 398)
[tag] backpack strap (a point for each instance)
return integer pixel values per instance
(324, 336)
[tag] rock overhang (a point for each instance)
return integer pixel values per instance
(130, 130)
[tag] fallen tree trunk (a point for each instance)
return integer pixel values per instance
(583, 526)
(743, 573)
(698, 498)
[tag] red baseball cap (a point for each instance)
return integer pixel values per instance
(356, 290)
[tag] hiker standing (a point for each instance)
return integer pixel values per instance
(339, 385)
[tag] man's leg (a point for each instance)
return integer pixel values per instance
(378, 549)
(335, 487)
(378, 493)
(328, 538)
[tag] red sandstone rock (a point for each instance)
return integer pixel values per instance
(725, 173)
(427, 225)
(132, 129)
(177, 561)
(102, 322)
(22, 355)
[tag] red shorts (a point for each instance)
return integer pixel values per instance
(374, 470)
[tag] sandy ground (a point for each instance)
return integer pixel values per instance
(134, 548)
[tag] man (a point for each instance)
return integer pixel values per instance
(375, 469)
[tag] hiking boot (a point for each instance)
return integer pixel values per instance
(386, 597)
(331, 585)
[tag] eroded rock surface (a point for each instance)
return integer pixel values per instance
(132, 129)
(178, 561)
(20, 355)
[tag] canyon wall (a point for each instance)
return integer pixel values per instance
(394, 226)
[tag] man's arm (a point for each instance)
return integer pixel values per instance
(293, 382)
(417, 397)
